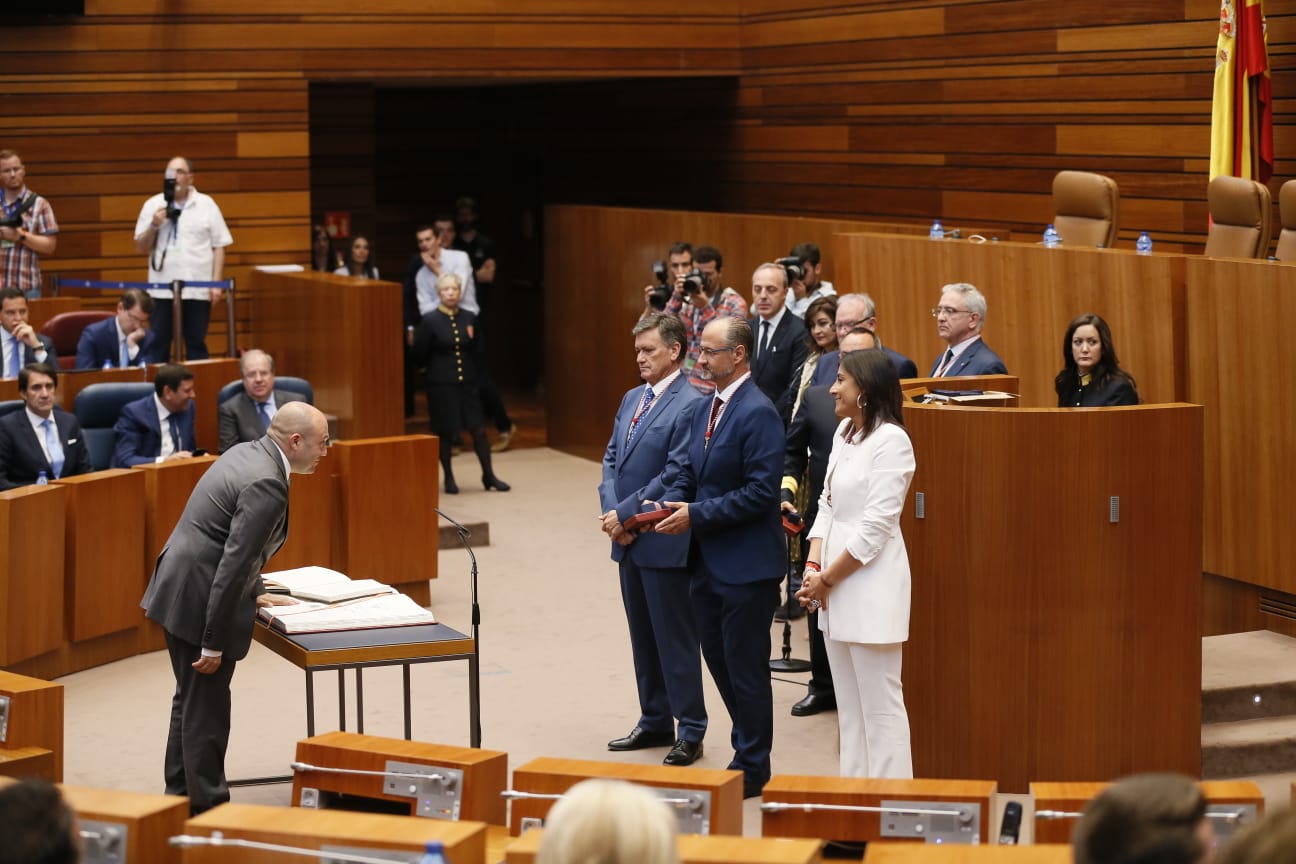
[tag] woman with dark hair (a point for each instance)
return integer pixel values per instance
(857, 570)
(1092, 376)
(821, 337)
(322, 258)
(359, 260)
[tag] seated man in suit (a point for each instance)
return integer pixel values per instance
(138, 432)
(959, 319)
(122, 340)
(19, 342)
(780, 339)
(246, 416)
(41, 437)
(857, 310)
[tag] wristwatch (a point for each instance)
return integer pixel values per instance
(22, 236)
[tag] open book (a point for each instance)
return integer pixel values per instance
(383, 610)
(322, 584)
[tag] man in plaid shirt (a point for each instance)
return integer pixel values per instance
(697, 309)
(21, 245)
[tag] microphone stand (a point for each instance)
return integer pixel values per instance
(474, 662)
(788, 663)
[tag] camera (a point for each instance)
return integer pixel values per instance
(794, 268)
(695, 282)
(661, 294)
(15, 221)
(168, 193)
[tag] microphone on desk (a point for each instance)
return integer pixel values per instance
(463, 532)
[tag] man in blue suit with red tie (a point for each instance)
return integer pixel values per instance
(649, 442)
(157, 427)
(731, 481)
(960, 315)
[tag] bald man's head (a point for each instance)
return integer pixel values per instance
(301, 431)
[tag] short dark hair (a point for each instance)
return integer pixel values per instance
(426, 226)
(11, 293)
(875, 376)
(133, 297)
(739, 332)
(680, 248)
(170, 377)
(1142, 819)
(670, 328)
(24, 374)
(806, 252)
(37, 825)
(442, 216)
(703, 254)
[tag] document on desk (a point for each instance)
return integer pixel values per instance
(384, 610)
(322, 584)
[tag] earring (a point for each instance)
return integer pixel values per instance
(859, 400)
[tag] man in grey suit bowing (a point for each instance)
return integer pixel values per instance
(206, 587)
(246, 415)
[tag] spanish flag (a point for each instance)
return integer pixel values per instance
(1242, 108)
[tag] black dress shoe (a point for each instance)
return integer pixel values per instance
(640, 738)
(815, 703)
(495, 483)
(752, 787)
(684, 753)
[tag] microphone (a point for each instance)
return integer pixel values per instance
(1010, 827)
(463, 532)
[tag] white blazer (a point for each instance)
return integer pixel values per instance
(859, 511)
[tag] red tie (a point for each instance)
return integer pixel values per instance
(715, 413)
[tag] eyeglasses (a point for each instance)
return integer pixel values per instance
(947, 311)
(711, 352)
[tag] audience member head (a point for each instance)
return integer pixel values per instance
(465, 213)
(769, 290)
(679, 258)
(821, 324)
(860, 338)
(726, 350)
(1087, 349)
(1272, 840)
(428, 240)
(258, 370)
(321, 249)
(37, 385)
(301, 431)
(867, 390)
(12, 173)
(809, 255)
(1145, 819)
(13, 308)
(854, 310)
(174, 385)
(449, 289)
(134, 310)
(960, 314)
(659, 343)
(609, 822)
(444, 225)
(36, 825)
(360, 257)
(709, 260)
(184, 174)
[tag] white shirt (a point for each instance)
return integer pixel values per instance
(658, 389)
(164, 424)
(40, 354)
(36, 420)
(943, 369)
(452, 261)
(799, 307)
(132, 351)
(726, 394)
(189, 256)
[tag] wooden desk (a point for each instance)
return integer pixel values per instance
(1062, 798)
(104, 552)
(72, 382)
(209, 377)
(29, 762)
(150, 821)
(31, 571)
(699, 849)
(316, 829)
(35, 717)
(910, 853)
(343, 334)
(167, 487)
(548, 776)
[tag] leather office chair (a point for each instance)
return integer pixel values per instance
(1086, 207)
(65, 329)
(282, 382)
(11, 405)
(97, 408)
(1240, 213)
(1286, 248)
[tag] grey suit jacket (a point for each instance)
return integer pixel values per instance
(207, 578)
(240, 421)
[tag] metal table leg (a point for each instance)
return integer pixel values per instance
(342, 699)
(310, 704)
(359, 700)
(409, 726)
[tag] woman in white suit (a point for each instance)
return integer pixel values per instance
(857, 570)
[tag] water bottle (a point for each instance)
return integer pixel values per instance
(42, 479)
(937, 231)
(107, 364)
(433, 853)
(1051, 238)
(1144, 244)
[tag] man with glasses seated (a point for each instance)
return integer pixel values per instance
(122, 340)
(857, 310)
(960, 316)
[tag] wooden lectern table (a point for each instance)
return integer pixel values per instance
(1057, 799)
(911, 853)
(549, 776)
(146, 822)
(701, 849)
(33, 717)
(31, 572)
(485, 772)
(23, 762)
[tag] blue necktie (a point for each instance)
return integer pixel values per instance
(125, 354)
(263, 408)
(54, 446)
(639, 415)
(17, 357)
(174, 422)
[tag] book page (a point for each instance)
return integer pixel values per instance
(385, 610)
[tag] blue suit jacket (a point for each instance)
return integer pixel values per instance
(21, 456)
(644, 468)
(826, 370)
(978, 359)
(139, 437)
(98, 343)
(733, 487)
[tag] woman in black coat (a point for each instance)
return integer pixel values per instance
(1092, 376)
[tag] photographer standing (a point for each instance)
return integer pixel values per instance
(27, 228)
(698, 298)
(184, 234)
(809, 287)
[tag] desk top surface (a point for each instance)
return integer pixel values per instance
(369, 646)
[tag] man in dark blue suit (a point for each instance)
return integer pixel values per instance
(20, 345)
(122, 340)
(781, 347)
(959, 319)
(738, 555)
(649, 442)
(858, 310)
(139, 430)
(41, 437)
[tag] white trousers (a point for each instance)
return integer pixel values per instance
(871, 716)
